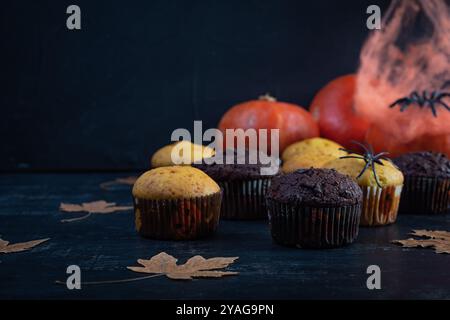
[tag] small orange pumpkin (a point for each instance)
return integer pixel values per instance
(294, 122)
(332, 108)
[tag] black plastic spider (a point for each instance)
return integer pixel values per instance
(424, 100)
(369, 157)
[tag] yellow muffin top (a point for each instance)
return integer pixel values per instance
(174, 182)
(306, 161)
(315, 145)
(388, 174)
(163, 157)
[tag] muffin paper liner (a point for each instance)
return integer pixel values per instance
(181, 219)
(244, 199)
(306, 227)
(425, 196)
(380, 205)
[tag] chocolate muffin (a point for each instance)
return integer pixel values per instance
(427, 182)
(243, 182)
(314, 208)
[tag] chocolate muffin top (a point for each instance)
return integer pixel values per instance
(424, 164)
(240, 169)
(315, 188)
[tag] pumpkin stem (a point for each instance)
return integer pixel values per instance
(267, 97)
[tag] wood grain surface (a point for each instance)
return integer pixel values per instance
(104, 245)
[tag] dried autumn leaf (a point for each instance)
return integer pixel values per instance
(439, 240)
(444, 235)
(100, 206)
(5, 247)
(195, 267)
(119, 181)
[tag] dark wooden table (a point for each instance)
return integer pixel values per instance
(104, 245)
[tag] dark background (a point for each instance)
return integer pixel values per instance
(105, 97)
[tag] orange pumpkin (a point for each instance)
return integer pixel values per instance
(332, 108)
(294, 122)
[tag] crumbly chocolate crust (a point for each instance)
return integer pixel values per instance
(315, 188)
(234, 171)
(424, 164)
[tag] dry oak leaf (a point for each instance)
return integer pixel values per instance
(100, 206)
(195, 267)
(125, 181)
(438, 240)
(5, 247)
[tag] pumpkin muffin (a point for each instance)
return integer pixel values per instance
(305, 161)
(163, 157)
(321, 145)
(243, 185)
(176, 203)
(427, 182)
(314, 208)
(314, 152)
(381, 192)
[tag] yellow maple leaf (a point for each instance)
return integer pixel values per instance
(6, 247)
(100, 206)
(438, 240)
(195, 267)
